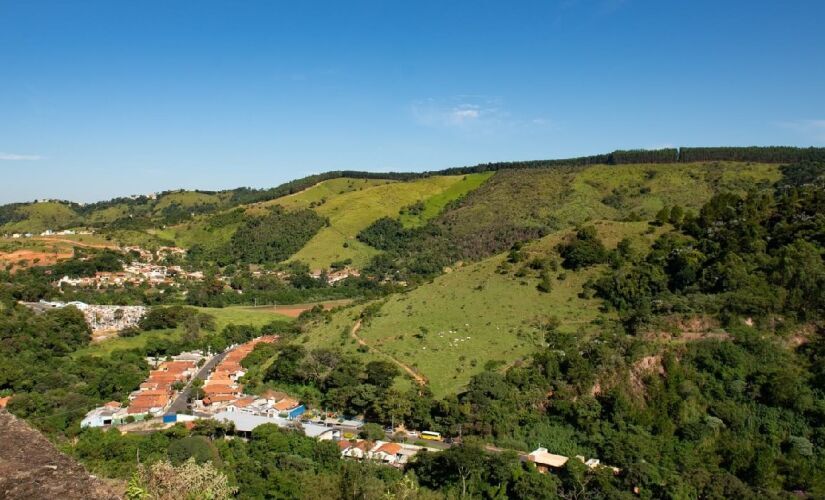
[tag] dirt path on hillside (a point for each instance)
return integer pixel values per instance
(75, 242)
(419, 379)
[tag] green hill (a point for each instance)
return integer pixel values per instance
(351, 211)
(38, 217)
(497, 305)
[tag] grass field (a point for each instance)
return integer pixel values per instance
(449, 329)
(435, 204)
(645, 189)
(108, 214)
(223, 316)
(352, 211)
(42, 216)
(427, 328)
(196, 232)
(186, 199)
(323, 191)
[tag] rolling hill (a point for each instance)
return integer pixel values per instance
(497, 305)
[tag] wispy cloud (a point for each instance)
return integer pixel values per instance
(16, 157)
(470, 113)
(811, 129)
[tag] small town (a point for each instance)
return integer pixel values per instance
(164, 400)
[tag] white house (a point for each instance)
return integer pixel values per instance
(108, 414)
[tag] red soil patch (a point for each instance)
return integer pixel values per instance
(24, 258)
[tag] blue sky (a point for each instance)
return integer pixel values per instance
(107, 98)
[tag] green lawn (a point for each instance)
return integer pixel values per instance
(223, 316)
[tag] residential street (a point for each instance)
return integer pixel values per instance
(179, 405)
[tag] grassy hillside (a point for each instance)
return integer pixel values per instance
(518, 205)
(434, 205)
(352, 211)
(42, 216)
(322, 192)
(427, 328)
(187, 199)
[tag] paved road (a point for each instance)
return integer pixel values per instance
(180, 404)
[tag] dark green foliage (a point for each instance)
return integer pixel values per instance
(584, 250)
(343, 381)
(197, 447)
(372, 432)
(384, 234)
(381, 373)
(275, 237)
(802, 173)
(774, 154)
(416, 208)
(51, 388)
(10, 214)
(104, 261)
(159, 318)
(758, 255)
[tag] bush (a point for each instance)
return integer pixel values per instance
(584, 250)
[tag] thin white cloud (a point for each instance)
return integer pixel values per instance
(455, 112)
(811, 129)
(16, 157)
(470, 113)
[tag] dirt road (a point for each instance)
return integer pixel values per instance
(419, 379)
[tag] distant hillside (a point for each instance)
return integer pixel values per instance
(173, 207)
(497, 304)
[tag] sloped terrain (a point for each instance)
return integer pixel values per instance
(353, 211)
(477, 315)
(31, 467)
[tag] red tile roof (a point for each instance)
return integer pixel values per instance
(390, 448)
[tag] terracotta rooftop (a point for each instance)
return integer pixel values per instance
(212, 389)
(244, 402)
(286, 404)
(390, 448)
(218, 398)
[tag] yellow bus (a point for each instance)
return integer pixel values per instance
(431, 435)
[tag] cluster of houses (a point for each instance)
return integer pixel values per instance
(546, 461)
(333, 277)
(136, 273)
(65, 232)
(154, 396)
(47, 232)
(395, 454)
(225, 401)
(223, 392)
